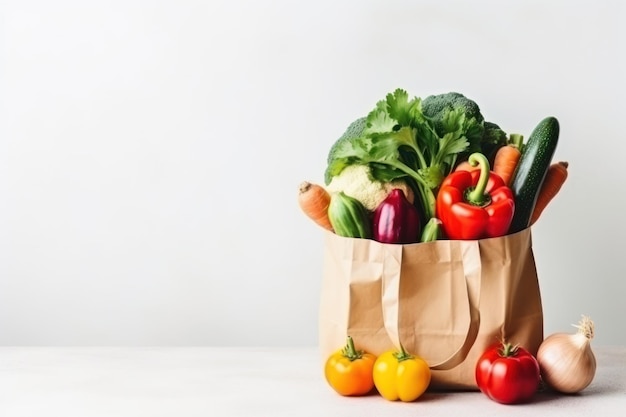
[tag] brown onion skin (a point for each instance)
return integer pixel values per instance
(396, 220)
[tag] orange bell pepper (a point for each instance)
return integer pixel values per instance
(349, 371)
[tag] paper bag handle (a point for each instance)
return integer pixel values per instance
(472, 274)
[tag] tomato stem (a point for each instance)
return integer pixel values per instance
(508, 350)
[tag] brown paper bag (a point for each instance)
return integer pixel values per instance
(446, 301)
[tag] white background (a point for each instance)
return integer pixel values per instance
(150, 153)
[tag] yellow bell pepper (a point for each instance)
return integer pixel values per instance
(401, 376)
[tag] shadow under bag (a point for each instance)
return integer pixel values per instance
(446, 301)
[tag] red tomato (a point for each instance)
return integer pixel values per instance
(507, 374)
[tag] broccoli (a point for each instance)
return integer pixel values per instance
(439, 109)
(482, 136)
(355, 130)
(493, 139)
(437, 106)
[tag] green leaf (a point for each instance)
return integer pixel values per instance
(451, 144)
(346, 153)
(388, 144)
(379, 121)
(406, 111)
(386, 173)
(377, 149)
(453, 120)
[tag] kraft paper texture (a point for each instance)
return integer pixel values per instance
(446, 301)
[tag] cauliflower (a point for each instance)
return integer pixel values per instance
(356, 181)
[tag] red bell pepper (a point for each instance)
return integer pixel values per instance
(476, 204)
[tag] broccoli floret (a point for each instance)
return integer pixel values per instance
(354, 130)
(438, 106)
(444, 109)
(493, 139)
(493, 134)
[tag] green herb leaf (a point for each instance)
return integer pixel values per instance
(379, 121)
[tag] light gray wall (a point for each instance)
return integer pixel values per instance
(150, 154)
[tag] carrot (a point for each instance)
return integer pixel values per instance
(465, 166)
(507, 157)
(314, 200)
(552, 183)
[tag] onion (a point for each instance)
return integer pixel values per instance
(566, 361)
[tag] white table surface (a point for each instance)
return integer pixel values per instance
(209, 381)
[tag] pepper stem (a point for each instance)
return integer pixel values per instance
(350, 352)
(477, 195)
(402, 355)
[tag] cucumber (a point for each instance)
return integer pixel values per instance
(531, 171)
(349, 217)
